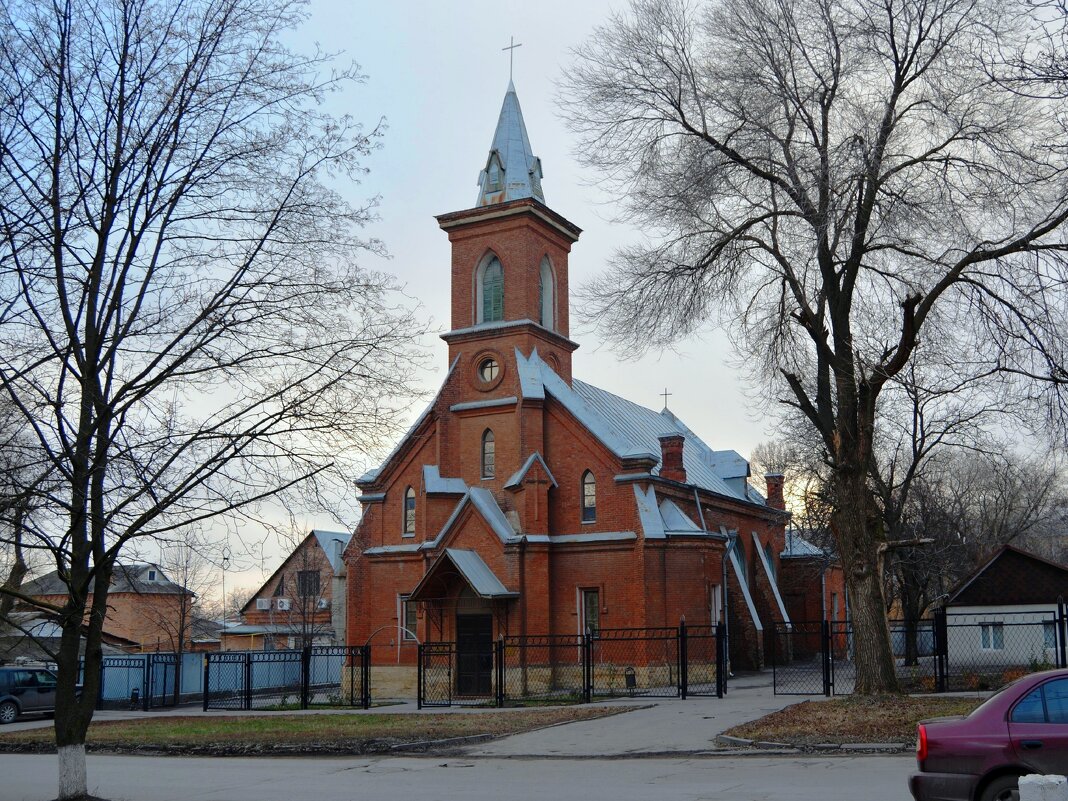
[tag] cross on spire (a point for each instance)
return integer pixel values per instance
(511, 52)
(665, 393)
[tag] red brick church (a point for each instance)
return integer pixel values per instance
(525, 501)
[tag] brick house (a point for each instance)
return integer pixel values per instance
(525, 501)
(145, 608)
(295, 606)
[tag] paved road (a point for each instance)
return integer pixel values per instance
(125, 778)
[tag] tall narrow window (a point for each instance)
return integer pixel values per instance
(408, 613)
(489, 456)
(591, 611)
(492, 295)
(589, 497)
(409, 511)
(546, 306)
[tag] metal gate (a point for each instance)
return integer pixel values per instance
(569, 668)
(443, 675)
(162, 681)
(292, 679)
(800, 658)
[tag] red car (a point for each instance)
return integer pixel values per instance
(980, 757)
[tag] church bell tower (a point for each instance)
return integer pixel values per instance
(509, 260)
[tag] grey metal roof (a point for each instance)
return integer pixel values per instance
(124, 578)
(326, 540)
(797, 547)
(476, 573)
(520, 169)
(434, 484)
(518, 475)
(675, 519)
(630, 430)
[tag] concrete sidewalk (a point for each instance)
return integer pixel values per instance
(653, 726)
(668, 726)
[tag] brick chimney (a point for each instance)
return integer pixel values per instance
(671, 457)
(775, 498)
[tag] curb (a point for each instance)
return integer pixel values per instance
(729, 742)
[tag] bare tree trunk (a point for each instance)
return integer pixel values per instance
(73, 714)
(857, 531)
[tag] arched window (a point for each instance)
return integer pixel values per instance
(589, 497)
(489, 290)
(409, 511)
(489, 467)
(546, 295)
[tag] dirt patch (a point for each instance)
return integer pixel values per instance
(885, 719)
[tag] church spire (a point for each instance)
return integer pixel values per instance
(512, 170)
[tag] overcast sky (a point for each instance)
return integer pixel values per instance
(437, 73)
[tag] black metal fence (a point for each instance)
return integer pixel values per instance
(291, 679)
(564, 668)
(145, 681)
(949, 651)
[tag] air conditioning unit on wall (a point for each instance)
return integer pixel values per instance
(283, 604)
(263, 604)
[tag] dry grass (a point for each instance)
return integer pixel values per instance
(889, 719)
(328, 733)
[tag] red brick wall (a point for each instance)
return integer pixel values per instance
(149, 619)
(520, 242)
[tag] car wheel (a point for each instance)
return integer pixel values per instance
(8, 712)
(1004, 788)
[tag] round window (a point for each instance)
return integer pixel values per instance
(488, 370)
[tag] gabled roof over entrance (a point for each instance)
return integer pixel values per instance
(478, 575)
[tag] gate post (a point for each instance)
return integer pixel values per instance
(587, 668)
(825, 655)
(1062, 630)
(941, 644)
(99, 695)
(365, 676)
(305, 676)
(207, 674)
(419, 677)
(147, 677)
(498, 658)
(684, 677)
(248, 681)
(721, 659)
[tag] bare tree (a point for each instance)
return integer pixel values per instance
(836, 179)
(183, 325)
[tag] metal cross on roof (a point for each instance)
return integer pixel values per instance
(665, 393)
(511, 52)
